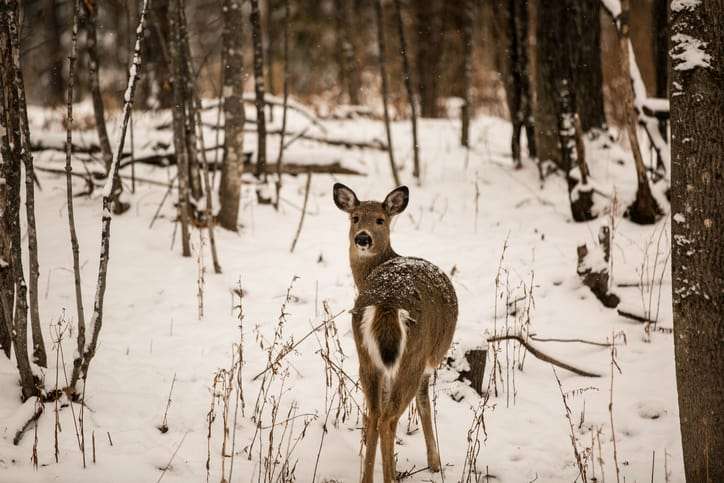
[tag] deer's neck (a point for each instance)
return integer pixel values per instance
(362, 265)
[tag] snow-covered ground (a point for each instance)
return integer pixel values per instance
(469, 204)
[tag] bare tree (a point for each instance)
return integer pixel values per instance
(407, 75)
(90, 13)
(379, 17)
(586, 56)
(285, 88)
(644, 209)
(179, 122)
(39, 356)
(155, 90)
(69, 186)
(259, 92)
(81, 370)
(12, 120)
(512, 22)
(429, 22)
(234, 117)
(468, 21)
(697, 196)
(349, 70)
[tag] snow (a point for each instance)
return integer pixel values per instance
(151, 332)
(689, 51)
(680, 5)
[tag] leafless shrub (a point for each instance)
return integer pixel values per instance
(581, 454)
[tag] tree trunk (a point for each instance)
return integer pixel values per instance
(269, 53)
(407, 74)
(80, 339)
(697, 197)
(90, 12)
(233, 163)
(586, 57)
(644, 209)
(548, 16)
(379, 17)
(349, 70)
(429, 27)
(468, 20)
(188, 96)
(39, 356)
(179, 122)
(259, 91)
(55, 84)
(155, 89)
(12, 153)
(285, 105)
(661, 63)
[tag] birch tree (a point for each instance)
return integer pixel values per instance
(234, 117)
(697, 197)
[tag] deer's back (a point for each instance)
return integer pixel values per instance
(423, 291)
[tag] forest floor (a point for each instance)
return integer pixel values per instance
(470, 206)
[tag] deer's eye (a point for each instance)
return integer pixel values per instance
(380, 221)
(355, 220)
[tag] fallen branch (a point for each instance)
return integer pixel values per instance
(582, 341)
(34, 417)
(544, 357)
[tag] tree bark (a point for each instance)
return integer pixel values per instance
(548, 16)
(259, 90)
(55, 84)
(407, 74)
(349, 70)
(90, 12)
(468, 20)
(233, 163)
(697, 197)
(179, 123)
(12, 121)
(80, 339)
(39, 356)
(586, 57)
(644, 209)
(189, 94)
(385, 94)
(661, 62)
(155, 90)
(429, 27)
(285, 88)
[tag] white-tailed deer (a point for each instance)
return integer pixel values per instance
(403, 322)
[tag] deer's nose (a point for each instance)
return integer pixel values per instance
(363, 240)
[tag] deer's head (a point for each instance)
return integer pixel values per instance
(369, 229)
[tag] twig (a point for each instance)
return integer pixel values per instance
(544, 357)
(286, 351)
(168, 465)
(582, 341)
(304, 212)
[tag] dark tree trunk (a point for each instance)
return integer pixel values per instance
(12, 120)
(468, 20)
(429, 27)
(380, 23)
(661, 64)
(55, 88)
(179, 122)
(407, 74)
(512, 23)
(269, 54)
(285, 105)
(39, 356)
(233, 164)
(697, 197)
(548, 16)
(188, 96)
(90, 12)
(586, 57)
(259, 90)
(644, 210)
(349, 71)
(155, 89)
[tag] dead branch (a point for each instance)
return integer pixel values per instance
(304, 212)
(544, 357)
(582, 341)
(21, 431)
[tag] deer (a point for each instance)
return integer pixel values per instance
(403, 322)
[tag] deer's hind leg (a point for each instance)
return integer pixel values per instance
(423, 407)
(371, 384)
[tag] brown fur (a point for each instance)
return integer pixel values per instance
(391, 284)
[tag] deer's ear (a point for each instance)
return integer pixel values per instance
(396, 202)
(344, 198)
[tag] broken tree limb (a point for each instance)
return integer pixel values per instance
(29, 418)
(542, 356)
